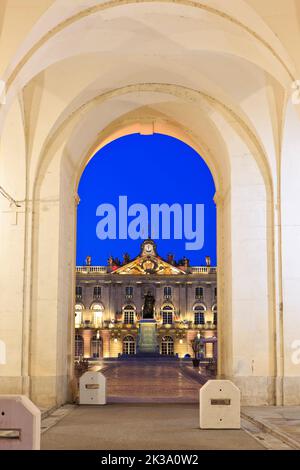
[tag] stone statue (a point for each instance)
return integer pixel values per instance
(126, 258)
(148, 310)
(88, 260)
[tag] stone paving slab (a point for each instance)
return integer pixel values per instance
(146, 382)
(141, 426)
(266, 439)
(280, 421)
(150, 406)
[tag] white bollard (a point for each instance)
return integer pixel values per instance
(20, 423)
(220, 405)
(92, 389)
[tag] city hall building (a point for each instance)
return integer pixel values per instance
(110, 307)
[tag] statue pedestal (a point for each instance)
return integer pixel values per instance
(147, 339)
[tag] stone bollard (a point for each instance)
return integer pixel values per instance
(20, 423)
(220, 405)
(92, 389)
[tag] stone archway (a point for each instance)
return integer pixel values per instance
(48, 133)
(66, 212)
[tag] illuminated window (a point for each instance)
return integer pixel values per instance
(78, 315)
(95, 347)
(199, 315)
(129, 345)
(167, 315)
(167, 346)
(97, 315)
(129, 314)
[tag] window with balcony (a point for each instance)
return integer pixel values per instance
(129, 292)
(129, 314)
(78, 292)
(167, 292)
(167, 315)
(97, 292)
(199, 291)
(199, 318)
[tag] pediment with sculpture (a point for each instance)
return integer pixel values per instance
(148, 262)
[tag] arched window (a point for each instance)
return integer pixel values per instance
(167, 346)
(129, 314)
(167, 314)
(129, 345)
(215, 313)
(78, 315)
(97, 315)
(95, 347)
(199, 314)
(78, 345)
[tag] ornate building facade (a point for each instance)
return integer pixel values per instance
(109, 306)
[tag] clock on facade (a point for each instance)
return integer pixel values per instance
(148, 248)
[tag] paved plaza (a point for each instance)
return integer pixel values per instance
(140, 426)
(147, 382)
(150, 406)
(280, 421)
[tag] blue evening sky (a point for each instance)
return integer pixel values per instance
(151, 169)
